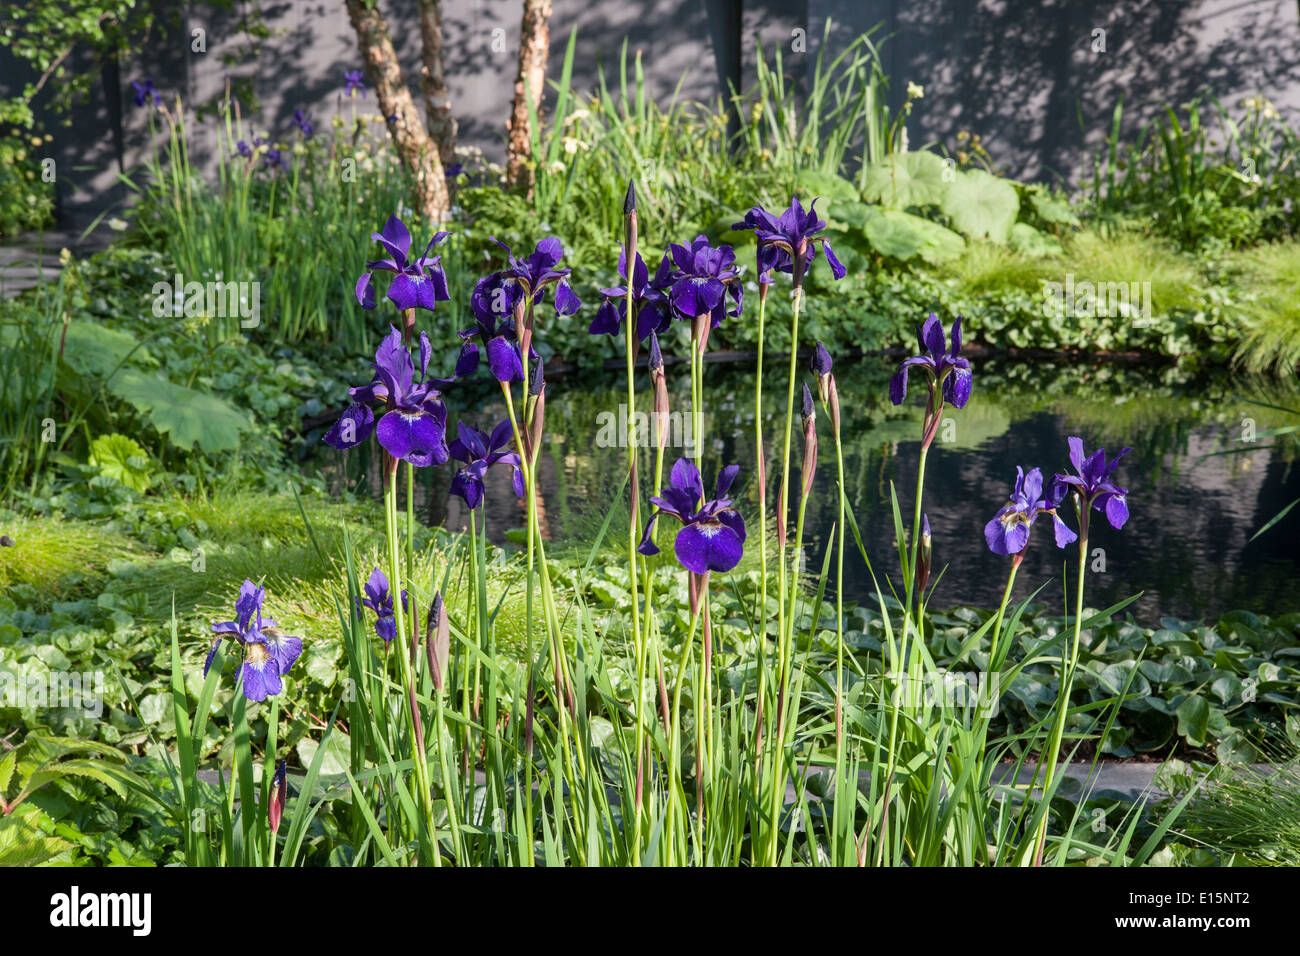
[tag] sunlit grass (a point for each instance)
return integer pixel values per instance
(59, 560)
(1272, 339)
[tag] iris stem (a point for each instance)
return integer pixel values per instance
(760, 612)
(419, 758)
(676, 783)
(778, 788)
(1049, 757)
(634, 492)
(838, 817)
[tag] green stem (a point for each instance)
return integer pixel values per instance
(676, 785)
(778, 788)
(634, 492)
(418, 757)
(840, 817)
(1050, 755)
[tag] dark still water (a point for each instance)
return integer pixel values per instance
(1192, 510)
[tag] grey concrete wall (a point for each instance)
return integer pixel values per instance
(1023, 75)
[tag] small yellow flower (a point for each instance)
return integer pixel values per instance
(915, 91)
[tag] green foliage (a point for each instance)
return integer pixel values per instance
(26, 198)
(1272, 338)
(900, 180)
(1249, 816)
(186, 417)
(981, 205)
(1227, 185)
(122, 459)
(41, 762)
(301, 233)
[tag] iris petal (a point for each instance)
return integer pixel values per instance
(365, 290)
(352, 428)
(1117, 510)
(708, 546)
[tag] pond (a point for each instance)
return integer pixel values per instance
(1193, 509)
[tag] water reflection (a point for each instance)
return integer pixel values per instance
(1193, 510)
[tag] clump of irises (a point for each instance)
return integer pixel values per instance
(696, 531)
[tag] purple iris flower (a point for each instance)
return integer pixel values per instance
(480, 452)
(244, 149)
(788, 242)
(417, 283)
(1092, 484)
(494, 303)
(380, 600)
(273, 160)
(538, 271)
(145, 94)
(649, 300)
(703, 278)
(945, 368)
(452, 170)
(414, 424)
(530, 276)
(268, 651)
(354, 80)
(1007, 533)
(712, 536)
(304, 123)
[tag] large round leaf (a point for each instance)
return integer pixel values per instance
(981, 205)
(1029, 241)
(122, 459)
(902, 236)
(186, 416)
(827, 187)
(907, 179)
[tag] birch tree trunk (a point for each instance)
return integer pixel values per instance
(438, 120)
(534, 46)
(417, 151)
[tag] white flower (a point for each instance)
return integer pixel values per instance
(117, 225)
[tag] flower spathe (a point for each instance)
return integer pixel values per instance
(1092, 483)
(944, 367)
(417, 283)
(1007, 533)
(269, 652)
(712, 536)
(414, 424)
